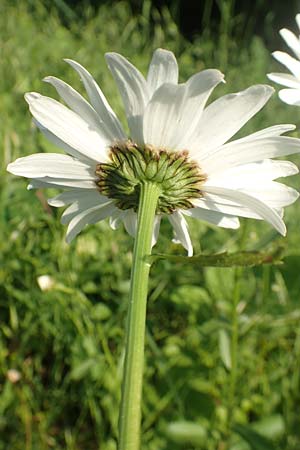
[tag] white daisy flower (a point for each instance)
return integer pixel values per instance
(291, 95)
(175, 141)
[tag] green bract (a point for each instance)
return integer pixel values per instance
(178, 178)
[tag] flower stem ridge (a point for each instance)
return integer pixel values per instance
(130, 411)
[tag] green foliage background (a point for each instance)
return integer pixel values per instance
(67, 343)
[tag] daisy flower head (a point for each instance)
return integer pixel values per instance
(291, 96)
(175, 142)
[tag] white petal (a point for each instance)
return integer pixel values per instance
(99, 101)
(274, 194)
(130, 222)
(76, 195)
(54, 165)
(115, 219)
(290, 96)
(61, 144)
(37, 184)
(68, 126)
(217, 203)
(298, 20)
(288, 61)
(291, 40)
(163, 114)
(283, 169)
(213, 217)
(225, 116)
(83, 203)
(181, 233)
(260, 208)
(80, 106)
(253, 174)
(163, 69)
(242, 152)
(129, 219)
(133, 89)
(285, 79)
(275, 130)
(88, 216)
(48, 182)
(175, 110)
(199, 88)
(253, 182)
(156, 227)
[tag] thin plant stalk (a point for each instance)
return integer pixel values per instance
(226, 27)
(130, 410)
(234, 344)
(234, 338)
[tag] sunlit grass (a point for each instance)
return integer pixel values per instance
(67, 343)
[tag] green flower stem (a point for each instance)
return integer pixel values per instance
(130, 410)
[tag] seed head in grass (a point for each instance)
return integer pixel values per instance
(175, 141)
(291, 96)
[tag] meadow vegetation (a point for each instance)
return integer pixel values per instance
(223, 345)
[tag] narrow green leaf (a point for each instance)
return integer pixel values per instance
(238, 259)
(224, 347)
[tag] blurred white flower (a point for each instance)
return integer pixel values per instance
(291, 95)
(45, 282)
(175, 141)
(13, 375)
